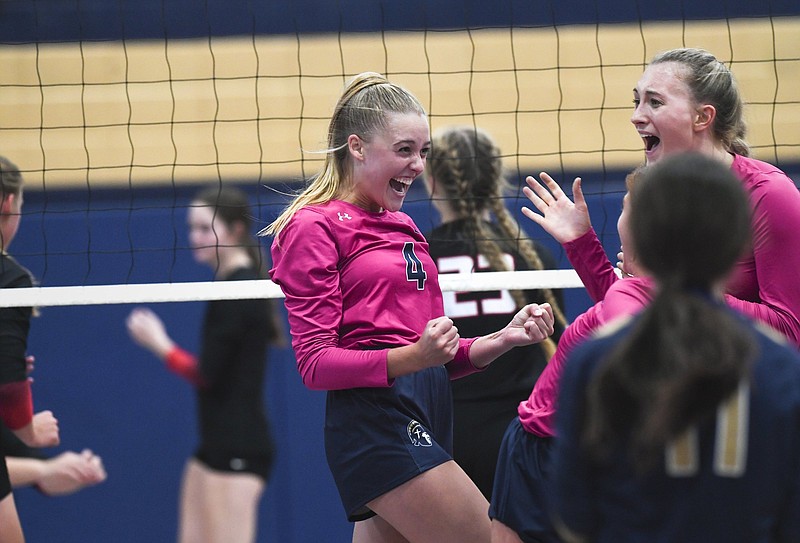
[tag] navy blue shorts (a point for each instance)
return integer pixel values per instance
(522, 482)
(378, 438)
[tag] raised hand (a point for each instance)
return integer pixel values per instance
(532, 324)
(558, 215)
(147, 329)
(439, 341)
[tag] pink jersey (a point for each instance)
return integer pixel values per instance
(764, 282)
(356, 283)
(622, 298)
(588, 257)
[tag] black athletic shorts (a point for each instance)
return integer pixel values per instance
(260, 465)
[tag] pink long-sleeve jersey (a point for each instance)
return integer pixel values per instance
(356, 283)
(622, 298)
(763, 284)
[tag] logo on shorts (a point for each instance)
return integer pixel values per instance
(418, 435)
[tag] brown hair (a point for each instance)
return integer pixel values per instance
(686, 353)
(711, 82)
(231, 205)
(466, 165)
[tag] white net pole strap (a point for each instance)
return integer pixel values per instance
(231, 290)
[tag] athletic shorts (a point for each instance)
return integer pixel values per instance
(379, 438)
(260, 465)
(522, 484)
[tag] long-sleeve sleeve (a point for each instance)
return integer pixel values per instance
(765, 285)
(587, 256)
(305, 265)
(624, 298)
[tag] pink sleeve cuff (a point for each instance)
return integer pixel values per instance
(461, 365)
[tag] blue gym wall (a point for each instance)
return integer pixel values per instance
(113, 397)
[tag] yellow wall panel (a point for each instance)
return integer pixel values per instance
(191, 110)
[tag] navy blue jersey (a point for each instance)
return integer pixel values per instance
(732, 479)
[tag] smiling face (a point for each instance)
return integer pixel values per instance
(665, 112)
(384, 167)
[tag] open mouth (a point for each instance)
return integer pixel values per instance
(651, 142)
(400, 184)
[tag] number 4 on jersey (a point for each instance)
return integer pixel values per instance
(414, 269)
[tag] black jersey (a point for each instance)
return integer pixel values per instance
(232, 362)
(484, 403)
(14, 326)
(14, 323)
(513, 374)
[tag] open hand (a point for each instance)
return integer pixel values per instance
(560, 217)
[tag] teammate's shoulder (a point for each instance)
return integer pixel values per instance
(323, 213)
(612, 327)
(14, 274)
(762, 177)
(604, 334)
(775, 342)
(639, 284)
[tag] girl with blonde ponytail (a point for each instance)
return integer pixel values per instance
(368, 326)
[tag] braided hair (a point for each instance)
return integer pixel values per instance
(467, 168)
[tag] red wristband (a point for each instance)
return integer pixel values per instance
(184, 363)
(16, 404)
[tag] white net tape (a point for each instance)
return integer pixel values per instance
(231, 290)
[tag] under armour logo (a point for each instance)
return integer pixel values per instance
(343, 216)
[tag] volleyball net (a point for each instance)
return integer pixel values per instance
(116, 122)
